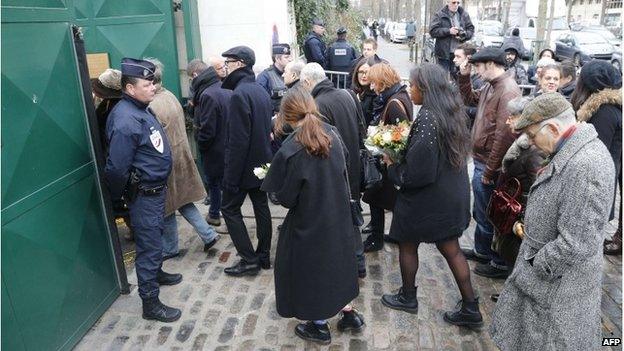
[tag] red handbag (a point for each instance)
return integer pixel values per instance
(504, 209)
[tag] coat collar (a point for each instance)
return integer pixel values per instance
(322, 87)
(597, 99)
(585, 133)
(237, 77)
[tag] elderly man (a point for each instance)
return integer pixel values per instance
(341, 110)
(450, 27)
(551, 301)
(292, 71)
(491, 138)
(218, 63)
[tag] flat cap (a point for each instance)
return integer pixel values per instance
(496, 55)
(341, 30)
(318, 22)
(281, 49)
(108, 84)
(543, 107)
(243, 53)
(137, 68)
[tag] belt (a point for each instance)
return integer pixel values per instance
(152, 190)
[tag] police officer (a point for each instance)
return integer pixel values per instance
(137, 168)
(271, 78)
(339, 57)
(313, 46)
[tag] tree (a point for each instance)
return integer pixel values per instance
(540, 26)
(570, 4)
(550, 23)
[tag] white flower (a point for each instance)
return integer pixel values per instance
(387, 137)
(372, 130)
(260, 172)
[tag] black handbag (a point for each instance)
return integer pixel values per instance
(370, 175)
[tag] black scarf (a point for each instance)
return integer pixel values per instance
(231, 81)
(202, 81)
(380, 101)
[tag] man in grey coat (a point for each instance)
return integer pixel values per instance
(551, 301)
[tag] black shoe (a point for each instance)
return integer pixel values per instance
(242, 268)
(402, 301)
(215, 222)
(209, 245)
(265, 263)
(371, 244)
(156, 310)
(466, 314)
(273, 199)
(388, 239)
(489, 271)
(494, 297)
(179, 254)
(207, 201)
(351, 320)
(470, 255)
(313, 332)
(367, 229)
(362, 273)
(165, 278)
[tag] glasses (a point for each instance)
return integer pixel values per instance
(532, 136)
(363, 73)
(227, 62)
(455, 2)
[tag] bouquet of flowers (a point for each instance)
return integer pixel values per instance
(261, 171)
(388, 139)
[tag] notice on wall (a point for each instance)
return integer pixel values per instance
(97, 63)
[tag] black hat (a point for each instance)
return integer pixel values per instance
(487, 54)
(243, 53)
(597, 75)
(281, 49)
(318, 22)
(137, 68)
(341, 30)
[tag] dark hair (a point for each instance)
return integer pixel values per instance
(341, 36)
(543, 51)
(469, 49)
(444, 100)
(355, 83)
(125, 80)
(580, 95)
(552, 66)
(568, 69)
(515, 32)
(298, 105)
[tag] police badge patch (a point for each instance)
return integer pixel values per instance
(157, 141)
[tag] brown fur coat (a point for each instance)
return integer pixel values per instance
(184, 183)
(593, 103)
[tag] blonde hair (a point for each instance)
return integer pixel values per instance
(383, 76)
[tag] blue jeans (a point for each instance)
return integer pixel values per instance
(192, 215)
(215, 186)
(484, 232)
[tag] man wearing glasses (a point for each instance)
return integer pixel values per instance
(451, 26)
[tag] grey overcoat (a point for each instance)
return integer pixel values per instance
(551, 301)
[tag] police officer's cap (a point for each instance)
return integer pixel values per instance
(281, 49)
(243, 53)
(496, 55)
(341, 30)
(137, 68)
(318, 22)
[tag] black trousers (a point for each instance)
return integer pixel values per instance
(377, 222)
(231, 211)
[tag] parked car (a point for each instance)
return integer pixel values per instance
(582, 47)
(397, 33)
(527, 34)
(616, 59)
(488, 33)
(604, 32)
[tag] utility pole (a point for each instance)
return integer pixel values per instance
(603, 12)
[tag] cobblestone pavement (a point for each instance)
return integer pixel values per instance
(224, 313)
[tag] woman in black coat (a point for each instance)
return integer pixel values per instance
(361, 87)
(433, 205)
(597, 99)
(392, 105)
(316, 274)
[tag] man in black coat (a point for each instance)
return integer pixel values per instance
(450, 27)
(313, 45)
(211, 107)
(247, 146)
(339, 57)
(341, 110)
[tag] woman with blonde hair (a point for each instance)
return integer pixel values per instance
(316, 273)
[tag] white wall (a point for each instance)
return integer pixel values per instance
(229, 23)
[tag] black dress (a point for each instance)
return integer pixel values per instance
(433, 203)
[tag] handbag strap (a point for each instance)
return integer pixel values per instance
(388, 106)
(513, 181)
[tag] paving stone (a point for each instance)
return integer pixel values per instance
(140, 342)
(237, 305)
(163, 334)
(110, 325)
(250, 324)
(257, 301)
(185, 330)
(185, 293)
(358, 345)
(200, 340)
(197, 307)
(228, 330)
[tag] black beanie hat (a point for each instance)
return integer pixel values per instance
(598, 75)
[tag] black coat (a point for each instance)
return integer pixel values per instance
(210, 113)
(340, 109)
(248, 143)
(440, 30)
(315, 49)
(315, 266)
(434, 197)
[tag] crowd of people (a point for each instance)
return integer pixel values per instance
(555, 154)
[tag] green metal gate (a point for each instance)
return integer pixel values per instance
(58, 267)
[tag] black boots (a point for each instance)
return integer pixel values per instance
(466, 314)
(351, 320)
(404, 300)
(165, 278)
(156, 310)
(243, 268)
(372, 243)
(313, 332)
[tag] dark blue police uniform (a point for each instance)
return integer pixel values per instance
(139, 144)
(339, 57)
(271, 78)
(315, 49)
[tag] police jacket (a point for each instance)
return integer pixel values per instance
(314, 49)
(440, 30)
(248, 143)
(136, 141)
(272, 81)
(340, 55)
